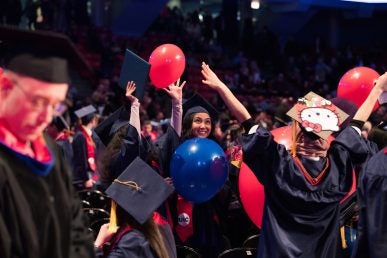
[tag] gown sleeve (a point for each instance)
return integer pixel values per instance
(261, 152)
(177, 115)
(351, 142)
(372, 193)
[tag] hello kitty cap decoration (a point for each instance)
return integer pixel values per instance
(317, 115)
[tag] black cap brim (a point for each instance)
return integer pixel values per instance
(195, 104)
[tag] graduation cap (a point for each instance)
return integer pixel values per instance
(317, 115)
(197, 104)
(139, 190)
(40, 54)
(85, 111)
(108, 127)
(348, 107)
(134, 69)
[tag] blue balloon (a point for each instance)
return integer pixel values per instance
(199, 168)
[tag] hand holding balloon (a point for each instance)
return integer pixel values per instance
(175, 90)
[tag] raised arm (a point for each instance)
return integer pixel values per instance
(233, 104)
(175, 91)
(135, 107)
(365, 109)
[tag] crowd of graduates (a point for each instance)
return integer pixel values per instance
(114, 148)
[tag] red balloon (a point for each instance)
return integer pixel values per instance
(252, 194)
(167, 65)
(356, 84)
(283, 135)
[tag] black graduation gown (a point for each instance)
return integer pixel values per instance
(40, 216)
(99, 146)
(81, 166)
(372, 193)
(301, 220)
(67, 152)
(207, 217)
(131, 244)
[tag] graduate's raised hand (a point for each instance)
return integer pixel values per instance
(234, 105)
(210, 78)
(175, 90)
(130, 88)
(365, 110)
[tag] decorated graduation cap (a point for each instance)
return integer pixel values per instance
(41, 55)
(348, 107)
(108, 127)
(317, 115)
(85, 111)
(139, 190)
(134, 69)
(197, 104)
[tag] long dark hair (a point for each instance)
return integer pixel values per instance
(146, 151)
(113, 148)
(149, 229)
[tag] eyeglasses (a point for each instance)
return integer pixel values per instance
(39, 103)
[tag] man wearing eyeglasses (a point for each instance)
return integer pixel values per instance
(40, 215)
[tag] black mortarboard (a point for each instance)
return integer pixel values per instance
(139, 190)
(85, 111)
(134, 69)
(40, 54)
(197, 104)
(108, 127)
(348, 107)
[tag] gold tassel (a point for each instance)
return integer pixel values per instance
(294, 138)
(342, 234)
(113, 218)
